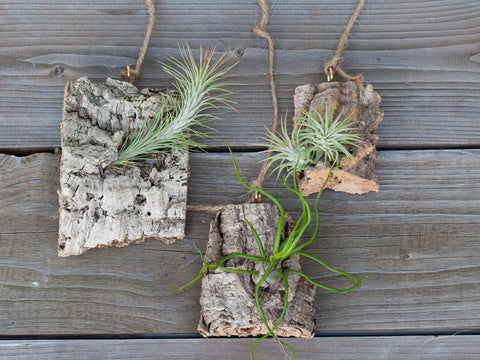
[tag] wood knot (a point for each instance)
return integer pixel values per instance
(239, 52)
(57, 71)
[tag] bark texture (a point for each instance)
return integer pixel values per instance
(100, 206)
(355, 176)
(227, 299)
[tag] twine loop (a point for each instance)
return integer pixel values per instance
(260, 31)
(205, 208)
(132, 75)
(332, 66)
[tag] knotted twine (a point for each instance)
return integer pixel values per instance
(131, 75)
(260, 31)
(333, 66)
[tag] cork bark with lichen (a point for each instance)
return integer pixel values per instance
(356, 175)
(102, 206)
(227, 299)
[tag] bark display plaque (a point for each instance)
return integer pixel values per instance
(227, 299)
(102, 206)
(355, 176)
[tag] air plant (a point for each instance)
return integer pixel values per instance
(288, 150)
(202, 93)
(314, 138)
(266, 270)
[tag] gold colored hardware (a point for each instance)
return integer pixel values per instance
(129, 74)
(329, 74)
(257, 196)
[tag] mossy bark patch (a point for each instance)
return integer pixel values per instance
(102, 206)
(227, 299)
(357, 175)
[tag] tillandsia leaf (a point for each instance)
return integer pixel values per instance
(328, 136)
(257, 238)
(271, 279)
(317, 215)
(278, 234)
(279, 320)
(217, 265)
(295, 235)
(202, 95)
(287, 150)
(268, 270)
(144, 143)
(338, 291)
(314, 137)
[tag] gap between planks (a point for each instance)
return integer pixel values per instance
(417, 236)
(422, 57)
(339, 348)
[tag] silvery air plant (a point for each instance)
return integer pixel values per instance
(313, 139)
(202, 93)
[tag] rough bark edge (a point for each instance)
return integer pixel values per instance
(300, 292)
(127, 89)
(356, 176)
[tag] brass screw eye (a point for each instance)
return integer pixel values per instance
(329, 74)
(129, 74)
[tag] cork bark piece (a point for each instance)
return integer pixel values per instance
(227, 299)
(355, 176)
(102, 206)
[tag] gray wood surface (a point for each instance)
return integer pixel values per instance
(422, 56)
(336, 348)
(417, 237)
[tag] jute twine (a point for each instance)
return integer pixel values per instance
(131, 75)
(260, 31)
(332, 66)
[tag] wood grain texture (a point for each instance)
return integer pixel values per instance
(337, 348)
(423, 57)
(418, 238)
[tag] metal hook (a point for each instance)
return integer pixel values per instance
(257, 196)
(129, 74)
(330, 74)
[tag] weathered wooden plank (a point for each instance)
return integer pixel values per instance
(338, 348)
(421, 56)
(417, 237)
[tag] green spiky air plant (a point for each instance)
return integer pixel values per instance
(202, 93)
(266, 268)
(314, 138)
